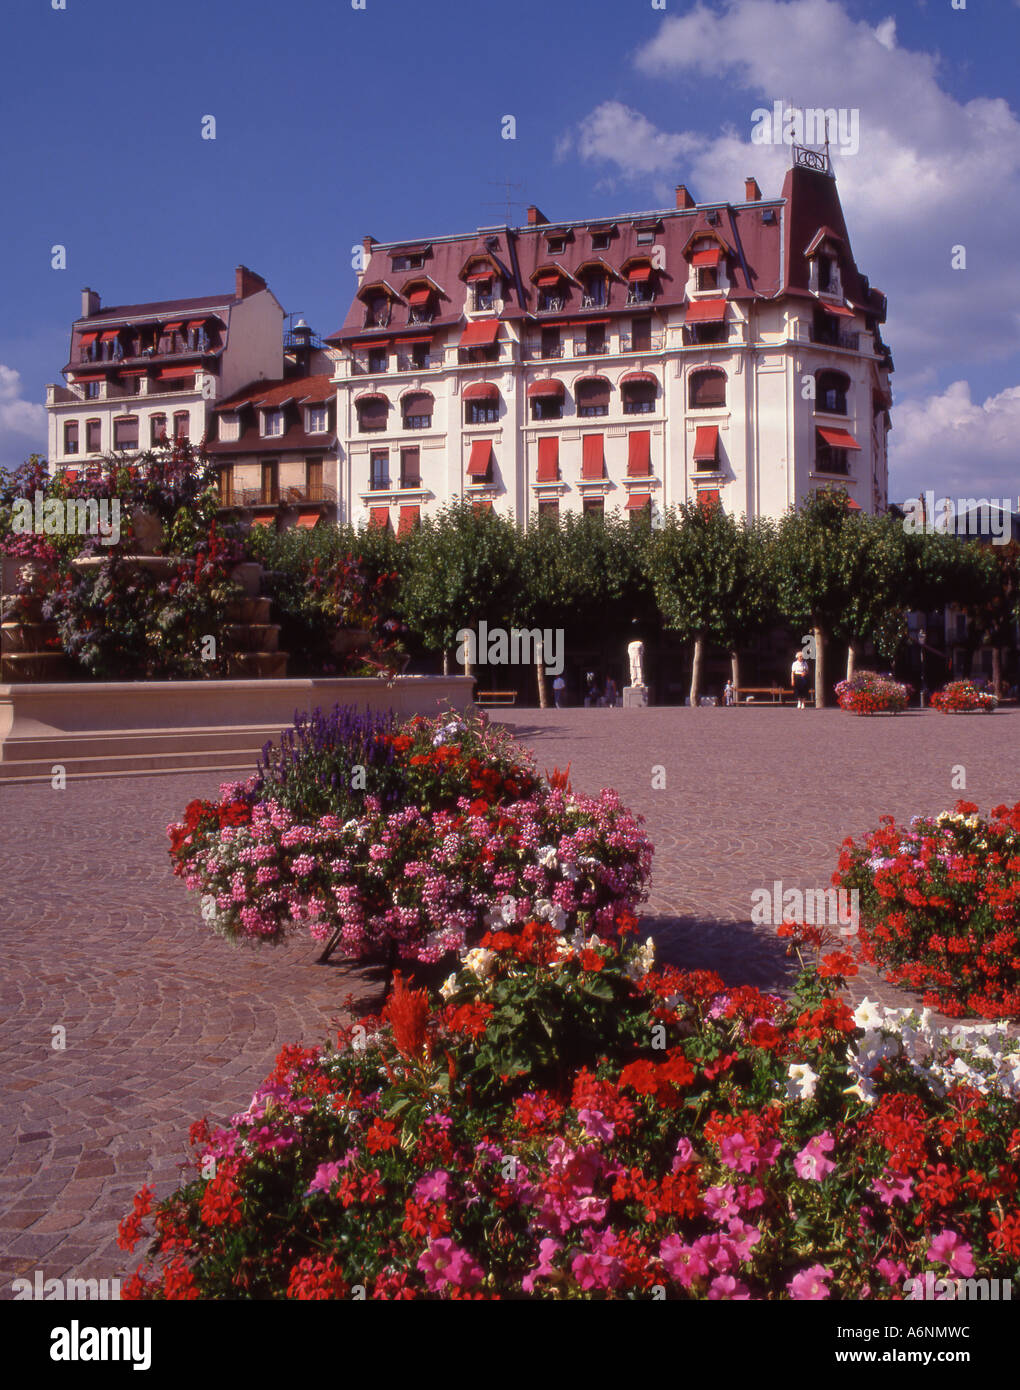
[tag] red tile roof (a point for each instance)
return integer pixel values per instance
(308, 390)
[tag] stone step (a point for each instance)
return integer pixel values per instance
(140, 765)
(133, 742)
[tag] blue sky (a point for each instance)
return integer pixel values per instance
(334, 122)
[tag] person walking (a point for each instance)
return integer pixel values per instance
(799, 674)
(559, 690)
(611, 693)
(729, 694)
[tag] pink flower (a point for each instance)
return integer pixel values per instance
(950, 1249)
(900, 1187)
(683, 1262)
(595, 1124)
(894, 1272)
(547, 1250)
(684, 1154)
(738, 1153)
(719, 1203)
(725, 1286)
(810, 1283)
(325, 1176)
(445, 1263)
(433, 1187)
(811, 1162)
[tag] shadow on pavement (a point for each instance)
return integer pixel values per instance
(741, 952)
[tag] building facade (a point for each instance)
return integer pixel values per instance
(139, 372)
(724, 351)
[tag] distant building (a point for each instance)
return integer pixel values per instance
(717, 351)
(139, 372)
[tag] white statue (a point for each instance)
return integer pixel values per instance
(636, 651)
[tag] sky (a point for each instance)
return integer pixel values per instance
(333, 122)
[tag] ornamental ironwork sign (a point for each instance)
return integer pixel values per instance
(812, 159)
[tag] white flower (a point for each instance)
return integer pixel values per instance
(869, 1015)
(802, 1082)
(547, 856)
(479, 962)
(449, 987)
(547, 911)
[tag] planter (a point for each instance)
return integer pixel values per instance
(251, 637)
(160, 566)
(250, 610)
(30, 637)
(249, 575)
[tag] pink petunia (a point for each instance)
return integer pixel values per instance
(725, 1286)
(899, 1188)
(810, 1284)
(595, 1124)
(811, 1162)
(444, 1263)
(950, 1249)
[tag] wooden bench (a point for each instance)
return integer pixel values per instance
(777, 694)
(496, 697)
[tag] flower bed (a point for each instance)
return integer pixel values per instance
(940, 907)
(405, 840)
(869, 693)
(963, 697)
(572, 1123)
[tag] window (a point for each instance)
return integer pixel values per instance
(592, 397)
(482, 296)
(420, 355)
(182, 424)
(378, 359)
(825, 274)
(594, 506)
(638, 397)
(313, 480)
(830, 460)
(157, 428)
(92, 436)
(708, 277)
(547, 408)
(482, 413)
(270, 491)
(641, 335)
(600, 241)
(317, 419)
(92, 390)
(417, 411)
(557, 245)
(549, 509)
(551, 344)
(70, 436)
(594, 339)
(272, 422)
(414, 261)
(645, 237)
(551, 299)
(226, 485)
(706, 390)
(379, 477)
(832, 390)
(410, 468)
(372, 412)
(125, 432)
(377, 311)
(706, 333)
(593, 292)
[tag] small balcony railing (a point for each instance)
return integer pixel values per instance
(840, 339)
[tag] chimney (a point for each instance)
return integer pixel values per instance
(366, 245)
(536, 218)
(752, 193)
(246, 282)
(683, 196)
(89, 303)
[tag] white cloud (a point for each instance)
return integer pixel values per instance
(932, 172)
(22, 423)
(956, 445)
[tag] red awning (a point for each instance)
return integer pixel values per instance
(409, 517)
(706, 443)
(480, 461)
(418, 297)
(379, 516)
(374, 343)
(132, 371)
(482, 334)
(197, 323)
(477, 275)
(711, 257)
(482, 504)
(838, 310)
(70, 474)
(308, 519)
(174, 373)
(637, 500)
(548, 460)
(549, 277)
(639, 379)
(592, 458)
(706, 311)
(264, 521)
(88, 338)
(639, 273)
(853, 506)
(839, 439)
(548, 386)
(406, 342)
(109, 335)
(172, 327)
(639, 454)
(89, 376)
(481, 391)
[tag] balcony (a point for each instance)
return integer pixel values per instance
(534, 351)
(408, 363)
(582, 348)
(651, 343)
(274, 496)
(838, 338)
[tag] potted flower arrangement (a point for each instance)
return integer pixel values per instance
(963, 697)
(939, 907)
(869, 693)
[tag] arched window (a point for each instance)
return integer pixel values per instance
(706, 389)
(831, 391)
(372, 412)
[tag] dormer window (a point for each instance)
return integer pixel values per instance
(481, 286)
(229, 428)
(600, 241)
(377, 311)
(827, 271)
(551, 296)
(556, 245)
(639, 284)
(272, 422)
(420, 302)
(414, 260)
(594, 291)
(645, 237)
(316, 419)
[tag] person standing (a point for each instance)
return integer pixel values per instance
(799, 679)
(559, 690)
(729, 694)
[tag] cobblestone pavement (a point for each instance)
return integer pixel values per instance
(166, 1022)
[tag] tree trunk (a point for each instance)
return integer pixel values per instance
(735, 670)
(851, 659)
(997, 671)
(543, 691)
(699, 655)
(819, 668)
(446, 662)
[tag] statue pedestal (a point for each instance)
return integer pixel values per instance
(635, 696)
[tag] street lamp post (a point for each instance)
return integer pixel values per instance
(922, 637)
